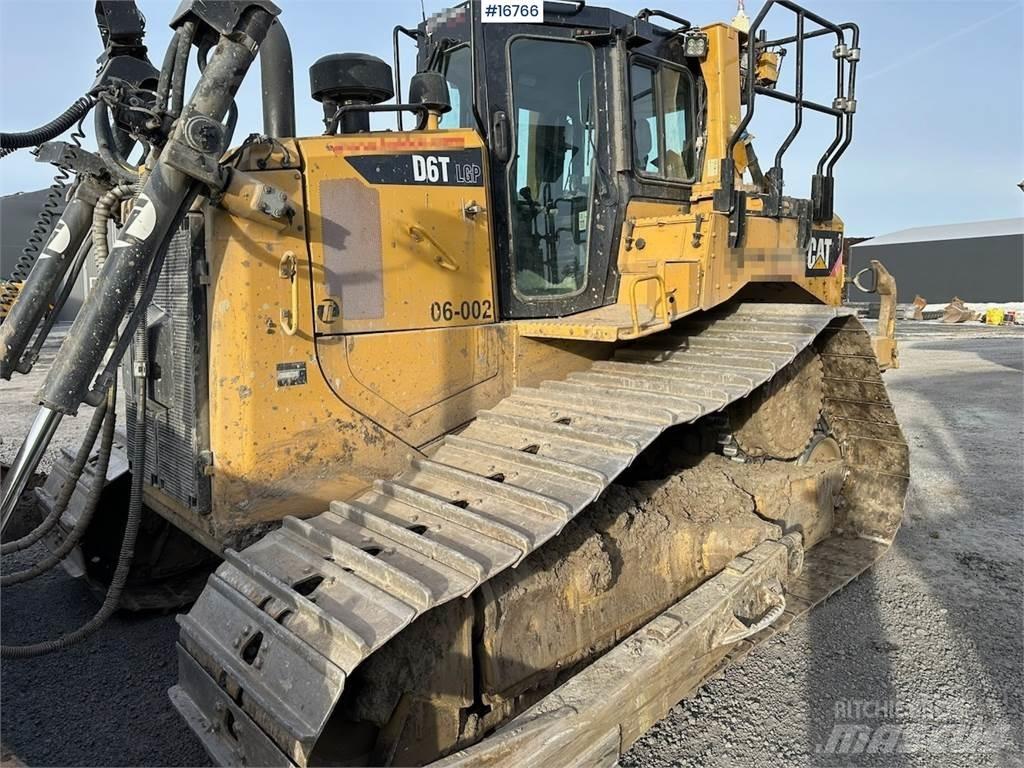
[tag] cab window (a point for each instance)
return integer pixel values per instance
(550, 175)
(662, 99)
(646, 137)
(458, 71)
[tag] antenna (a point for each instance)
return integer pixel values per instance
(423, 10)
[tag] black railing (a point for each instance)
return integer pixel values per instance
(842, 108)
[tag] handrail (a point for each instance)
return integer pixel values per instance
(580, 5)
(842, 108)
(647, 13)
(634, 307)
(442, 259)
(851, 97)
(419, 109)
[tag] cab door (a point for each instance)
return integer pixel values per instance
(547, 105)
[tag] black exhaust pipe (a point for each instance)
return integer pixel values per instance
(278, 81)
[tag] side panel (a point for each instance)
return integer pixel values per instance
(283, 443)
(770, 254)
(419, 384)
(398, 231)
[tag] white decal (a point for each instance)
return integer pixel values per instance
(430, 169)
(468, 173)
(142, 221)
(58, 242)
(819, 253)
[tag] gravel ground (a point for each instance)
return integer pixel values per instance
(923, 654)
(18, 408)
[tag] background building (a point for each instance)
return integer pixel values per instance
(18, 214)
(978, 261)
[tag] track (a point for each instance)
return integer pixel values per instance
(264, 660)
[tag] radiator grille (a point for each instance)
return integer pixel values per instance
(176, 433)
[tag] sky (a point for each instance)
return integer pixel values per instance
(939, 130)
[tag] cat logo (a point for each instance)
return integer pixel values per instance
(823, 252)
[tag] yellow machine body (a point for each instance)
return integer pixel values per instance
(383, 336)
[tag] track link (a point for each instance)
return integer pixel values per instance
(266, 650)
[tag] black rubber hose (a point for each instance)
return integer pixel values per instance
(51, 130)
(40, 232)
(107, 146)
(82, 524)
(30, 357)
(124, 559)
(66, 490)
(177, 95)
(163, 87)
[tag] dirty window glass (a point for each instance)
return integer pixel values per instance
(550, 175)
(662, 121)
(645, 122)
(675, 100)
(458, 71)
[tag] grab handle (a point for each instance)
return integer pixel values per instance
(288, 270)
(441, 258)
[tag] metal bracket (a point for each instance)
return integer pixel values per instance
(219, 15)
(197, 165)
(122, 28)
(697, 234)
(738, 221)
(81, 161)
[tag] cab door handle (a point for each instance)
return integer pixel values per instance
(442, 259)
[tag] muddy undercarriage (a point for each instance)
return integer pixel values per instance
(703, 517)
(651, 538)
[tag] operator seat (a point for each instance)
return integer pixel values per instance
(643, 143)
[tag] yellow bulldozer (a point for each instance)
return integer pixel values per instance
(511, 421)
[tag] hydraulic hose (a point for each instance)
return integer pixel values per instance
(131, 528)
(49, 320)
(82, 524)
(107, 146)
(41, 230)
(177, 94)
(52, 129)
(67, 489)
(101, 218)
(163, 87)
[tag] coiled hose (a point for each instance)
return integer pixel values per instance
(126, 555)
(101, 218)
(66, 490)
(41, 229)
(52, 129)
(82, 524)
